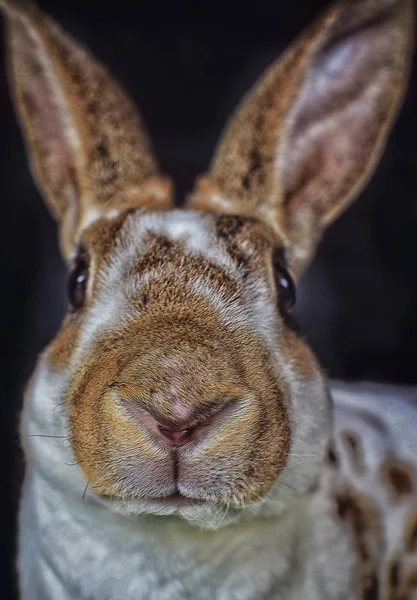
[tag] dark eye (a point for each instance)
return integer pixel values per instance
(77, 283)
(286, 289)
(284, 282)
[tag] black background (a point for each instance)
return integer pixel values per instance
(187, 64)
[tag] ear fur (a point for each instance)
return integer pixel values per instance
(306, 139)
(88, 150)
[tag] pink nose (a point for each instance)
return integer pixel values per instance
(178, 437)
(182, 429)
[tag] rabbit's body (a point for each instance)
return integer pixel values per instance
(176, 430)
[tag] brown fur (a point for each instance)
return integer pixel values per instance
(354, 451)
(332, 458)
(401, 571)
(411, 537)
(401, 582)
(149, 364)
(398, 478)
(363, 520)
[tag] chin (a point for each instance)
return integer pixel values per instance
(196, 513)
(211, 513)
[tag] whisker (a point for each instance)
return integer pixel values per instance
(41, 435)
(84, 492)
(300, 462)
(226, 510)
(287, 485)
(291, 454)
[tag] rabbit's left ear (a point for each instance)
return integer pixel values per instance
(88, 150)
(306, 139)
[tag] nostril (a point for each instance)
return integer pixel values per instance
(187, 426)
(178, 437)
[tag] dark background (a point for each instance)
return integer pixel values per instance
(187, 64)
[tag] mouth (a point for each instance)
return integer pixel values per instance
(165, 505)
(177, 500)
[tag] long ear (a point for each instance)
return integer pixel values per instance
(88, 150)
(305, 141)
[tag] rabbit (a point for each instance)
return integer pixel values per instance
(181, 439)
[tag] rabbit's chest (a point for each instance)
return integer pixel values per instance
(62, 558)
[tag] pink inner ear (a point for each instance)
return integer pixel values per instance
(335, 122)
(49, 129)
(334, 62)
(52, 138)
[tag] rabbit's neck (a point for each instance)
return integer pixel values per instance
(70, 549)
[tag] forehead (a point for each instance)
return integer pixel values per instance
(190, 231)
(229, 241)
(162, 262)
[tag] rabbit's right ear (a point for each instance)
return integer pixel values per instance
(306, 139)
(88, 150)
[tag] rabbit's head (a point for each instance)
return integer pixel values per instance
(177, 375)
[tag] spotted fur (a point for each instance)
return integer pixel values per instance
(182, 333)
(377, 503)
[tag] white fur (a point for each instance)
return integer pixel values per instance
(74, 546)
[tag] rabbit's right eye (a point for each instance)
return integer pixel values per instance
(77, 283)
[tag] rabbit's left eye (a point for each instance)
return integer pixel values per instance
(286, 289)
(284, 282)
(77, 283)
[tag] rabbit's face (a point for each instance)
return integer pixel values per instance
(177, 377)
(183, 368)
